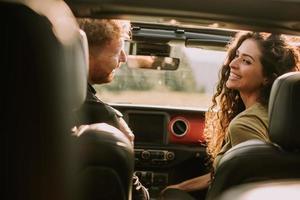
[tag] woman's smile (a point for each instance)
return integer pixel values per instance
(233, 76)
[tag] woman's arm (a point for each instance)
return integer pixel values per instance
(194, 184)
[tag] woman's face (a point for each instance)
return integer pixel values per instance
(246, 74)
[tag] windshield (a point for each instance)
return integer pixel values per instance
(191, 85)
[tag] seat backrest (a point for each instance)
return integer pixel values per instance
(106, 163)
(43, 80)
(284, 112)
(255, 160)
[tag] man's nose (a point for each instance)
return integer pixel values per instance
(123, 57)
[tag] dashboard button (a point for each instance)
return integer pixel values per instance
(170, 155)
(145, 155)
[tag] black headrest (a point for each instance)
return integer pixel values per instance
(284, 111)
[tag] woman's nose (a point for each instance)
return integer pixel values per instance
(234, 63)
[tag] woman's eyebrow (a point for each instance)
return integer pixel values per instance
(247, 55)
(244, 54)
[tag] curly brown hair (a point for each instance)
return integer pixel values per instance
(101, 31)
(278, 57)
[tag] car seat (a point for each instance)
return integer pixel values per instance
(106, 163)
(43, 80)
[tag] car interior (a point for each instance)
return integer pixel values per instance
(45, 62)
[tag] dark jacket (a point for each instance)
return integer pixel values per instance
(94, 110)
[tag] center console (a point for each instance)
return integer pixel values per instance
(154, 179)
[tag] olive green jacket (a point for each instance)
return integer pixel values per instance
(252, 123)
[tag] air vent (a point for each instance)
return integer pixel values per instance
(179, 127)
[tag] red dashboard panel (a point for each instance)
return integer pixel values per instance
(190, 126)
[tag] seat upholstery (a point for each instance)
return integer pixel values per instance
(277, 189)
(106, 163)
(43, 80)
(284, 112)
(254, 160)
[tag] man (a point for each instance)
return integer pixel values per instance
(106, 54)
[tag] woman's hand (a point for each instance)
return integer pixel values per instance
(175, 186)
(197, 183)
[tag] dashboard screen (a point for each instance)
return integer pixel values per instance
(148, 127)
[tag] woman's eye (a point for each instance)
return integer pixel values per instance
(247, 61)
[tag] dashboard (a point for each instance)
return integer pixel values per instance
(169, 144)
(169, 127)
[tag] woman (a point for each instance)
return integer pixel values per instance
(253, 62)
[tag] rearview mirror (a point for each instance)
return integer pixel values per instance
(152, 62)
